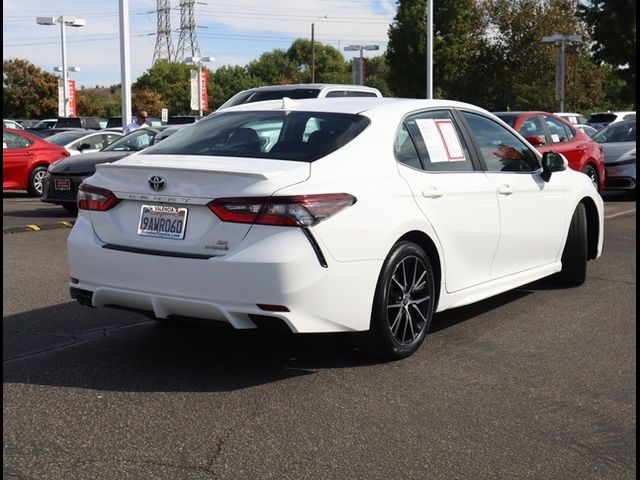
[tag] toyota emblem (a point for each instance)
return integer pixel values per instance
(157, 182)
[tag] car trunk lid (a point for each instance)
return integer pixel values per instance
(184, 186)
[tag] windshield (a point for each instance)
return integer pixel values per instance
(617, 132)
(508, 118)
(280, 135)
(134, 142)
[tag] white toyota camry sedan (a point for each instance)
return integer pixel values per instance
(332, 215)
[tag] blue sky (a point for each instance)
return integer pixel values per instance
(234, 32)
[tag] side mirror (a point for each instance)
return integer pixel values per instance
(553, 162)
(84, 146)
(535, 140)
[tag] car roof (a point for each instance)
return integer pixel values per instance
(353, 105)
(318, 86)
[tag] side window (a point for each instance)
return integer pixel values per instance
(532, 127)
(558, 131)
(501, 150)
(336, 93)
(439, 142)
(15, 141)
(405, 150)
(356, 93)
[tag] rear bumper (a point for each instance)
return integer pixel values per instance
(61, 197)
(621, 177)
(262, 270)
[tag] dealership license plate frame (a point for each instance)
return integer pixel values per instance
(62, 184)
(163, 221)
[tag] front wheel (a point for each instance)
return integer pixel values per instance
(36, 180)
(404, 302)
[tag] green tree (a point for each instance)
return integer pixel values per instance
(226, 81)
(28, 91)
(330, 65)
(406, 50)
(377, 73)
(146, 99)
(274, 68)
(172, 82)
(88, 103)
(612, 25)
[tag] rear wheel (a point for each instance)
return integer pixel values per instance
(404, 302)
(574, 255)
(592, 173)
(35, 181)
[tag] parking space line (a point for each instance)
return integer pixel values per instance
(619, 214)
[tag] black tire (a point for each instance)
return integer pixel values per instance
(35, 181)
(72, 208)
(574, 255)
(592, 173)
(404, 303)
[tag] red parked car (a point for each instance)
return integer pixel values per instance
(25, 159)
(547, 132)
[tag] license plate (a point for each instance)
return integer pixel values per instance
(162, 221)
(62, 184)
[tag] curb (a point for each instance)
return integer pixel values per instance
(38, 228)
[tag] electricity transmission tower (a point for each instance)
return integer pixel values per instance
(187, 41)
(164, 46)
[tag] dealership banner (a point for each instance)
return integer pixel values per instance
(204, 76)
(72, 98)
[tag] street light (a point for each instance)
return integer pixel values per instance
(561, 63)
(72, 22)
(199, 61)
(313, 49)
(353, 48)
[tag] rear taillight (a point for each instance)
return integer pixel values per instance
(95, 198)
(294, 211)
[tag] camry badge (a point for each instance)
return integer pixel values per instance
(157, 183)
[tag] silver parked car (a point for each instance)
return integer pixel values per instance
(619, 142)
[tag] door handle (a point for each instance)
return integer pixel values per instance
(505, 189)
(432, 192)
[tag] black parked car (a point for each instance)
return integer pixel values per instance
(60, 185)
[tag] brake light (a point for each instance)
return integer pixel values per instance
(95, 198)
(293, 211)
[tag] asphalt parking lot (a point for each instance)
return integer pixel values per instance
(537, 383)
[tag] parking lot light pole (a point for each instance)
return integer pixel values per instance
(361, 48)
(199, 61)
(561, 63)
(72, 22)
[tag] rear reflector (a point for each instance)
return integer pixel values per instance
(293, 211)
(95, 198)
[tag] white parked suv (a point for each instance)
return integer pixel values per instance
(298, 91)
(600, 120)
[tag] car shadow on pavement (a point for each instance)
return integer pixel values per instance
(106, 349)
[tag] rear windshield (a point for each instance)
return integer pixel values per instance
(508, 118)
(602, 118)
(262, 95)
(281, 135)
